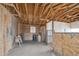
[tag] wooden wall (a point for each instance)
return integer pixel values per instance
(43, 34)
(26, 28)
(1, 32)
(66, 44)
(20, 28)
(8, 24)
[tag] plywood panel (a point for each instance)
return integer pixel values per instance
(1, 32)
(66, 44)
(58, 43)
(7, 30)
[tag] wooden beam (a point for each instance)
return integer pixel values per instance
(50, 7)
(12, 5)
(55, 10)
(48, 14)
(36, 8)
(26, 12)
(17, 10)
(47, 8)
(70, 9)
(43, 6)
(75, 16)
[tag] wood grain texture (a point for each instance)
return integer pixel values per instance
(66, 44)
(32, 13)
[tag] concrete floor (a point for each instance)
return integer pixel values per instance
(32, 49)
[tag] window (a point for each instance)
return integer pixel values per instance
(33, 29)
(75, 30)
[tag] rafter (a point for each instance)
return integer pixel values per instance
(36, 8)
(47, 8)
(55, 10)
(36, 13)
(26, 12)
(16, 10)
(43, 6)
(70, 9)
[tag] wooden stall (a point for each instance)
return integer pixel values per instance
(66, 44)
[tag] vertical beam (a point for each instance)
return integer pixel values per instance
(53, 35)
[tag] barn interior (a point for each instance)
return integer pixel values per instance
(46, 29)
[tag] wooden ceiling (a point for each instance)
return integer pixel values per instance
(41, 13)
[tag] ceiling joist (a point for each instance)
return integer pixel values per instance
(41, 13)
